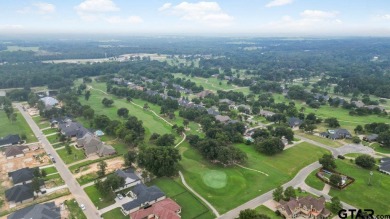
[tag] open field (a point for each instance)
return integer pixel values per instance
(41, 122)
(239, 186)
(77, 154)
(114, 214)
(207, 83)
(264, 210)
(314, 182)
(20, 126)
(98, 199)
(191, 206)
(378, 148)
(359, 193)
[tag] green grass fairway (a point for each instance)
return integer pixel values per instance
(314, 182)
(70, 158)
(264, 210)
(114, 214)
(95, 197)
(191, 207)
(20, 126)
(215, 179)
(242, 184)
(359, 194)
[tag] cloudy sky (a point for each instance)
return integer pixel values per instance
(240, 17)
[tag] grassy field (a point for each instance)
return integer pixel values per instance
(211, 84)
(264, 210)
(53, 139)
(70, 158)
(75, 210)
(322, 140)
(359, 193)
(314, 182)
(239, 186)
(49, 131)
(114, 214)
(378, 148)
(20, 126)
(97, 199)
(73, 168)
(41, 122)
(191, 206)
(50, 170)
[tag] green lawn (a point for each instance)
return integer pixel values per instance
(50, 170)
(114, 214)
(41, 122)
(58, 145)
(49, 131)
(378, 148)
(97, 199)
(75, 210)
(53, 139)
(264, 210)
(73, 168)
(190, 205)
(314, 182)
(353, 155)
(359, 193)
(87, 178)
(241, 185)
(20, 126)
(76, 155)
(321, 140)
(53, 176)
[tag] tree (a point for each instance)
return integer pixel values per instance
(186, 122)
(269, 146)
(180, 130)
(36, 184)
(130, 158)
(278, 193)
(89, 113)
(101, 121)
(365, 161)
(87, 95)
(251, 214)
(289, 193)
(123, 112)
(335, 179)
(36, 172)
(102, 168)
(43, 173)
(384, 137)
(165, 140)
(13, 117)
(146, 106)
(161, 161)
(358, 129)
(327, 162)
(107, 102)
(356, 139)
(332, 122)
(335, 205)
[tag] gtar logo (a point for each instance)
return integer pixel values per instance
(356, 213)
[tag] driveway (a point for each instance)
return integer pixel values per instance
(118, 204)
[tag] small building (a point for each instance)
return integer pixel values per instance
(294, 122)
(204, 93)
(384, 166)
(212, 112)
(10, 140)
(98, 133)
(336, 134)
(19, 194)
(223, 119)
(22, 176)
(38, 211)
(143, 197)
(15, 151)
(165, 209)
(306, 207)
(266, 113)
(49, 102)
(131, 179)
(372, 107)
(371, 138)
(358, 104)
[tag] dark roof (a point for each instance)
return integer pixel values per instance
(19, 193)
(72, 129)
(14, 150)
(385, 166)
(386, 159)
(127, 173)
(372, 137)
(22, 175)
(144, 195)
(212, 112)
(39, 211)
(293, 121)
(10, 139)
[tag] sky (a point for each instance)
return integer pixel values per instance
(217, 17)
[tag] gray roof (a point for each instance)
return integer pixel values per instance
(92, 145)
(293, 121)
(72, 129)
(39, 211)
(127, 173)
(14, 150)
(212, 112)
(10, 139)
(49, 102)
(144, 195)
(19, 193)
(372, 137)
(22, 175)
(222, 118)
(385, 166)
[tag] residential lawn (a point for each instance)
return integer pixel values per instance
(265, 210)
(353, 155)
(75, 210)
(87, 178)
(58, 145)
(359, 193)
(50, 170)
(239, 185)
(314, 182)
(191, 207)
(73, 168)
(321, 140)
(53, 176)
(95, 197)
(41, 122)
(50, 131)
(114, 214)
(20, 126)
(378, 148)
(53, 139)
(76, 155)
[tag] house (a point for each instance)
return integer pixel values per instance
(266, 113)
(336, 134)
(38, 211)
(15, 151)
(56, 121)
(372, 107)
(118, 81)
(19, 194)
(321, 97)
(131, 179)
(229, 102)
(49, 102)
(22, 176)
(143, 197)
(92, 145)
(294, 122)
(72, 129)
(204, 93)
(165, 209)
(245, 108)
(306, 207)
(222, 119)
(384, 166)
(358, 104)
(371, 138)
(10, 140)
(212, 112)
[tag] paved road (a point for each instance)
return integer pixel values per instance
(70, 181)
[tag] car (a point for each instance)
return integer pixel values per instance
(82, 206)
(120, 196)
(52, 159)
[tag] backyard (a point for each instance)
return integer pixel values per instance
(98, 199)
(76, 155)
(20, 127)
(114, 214)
